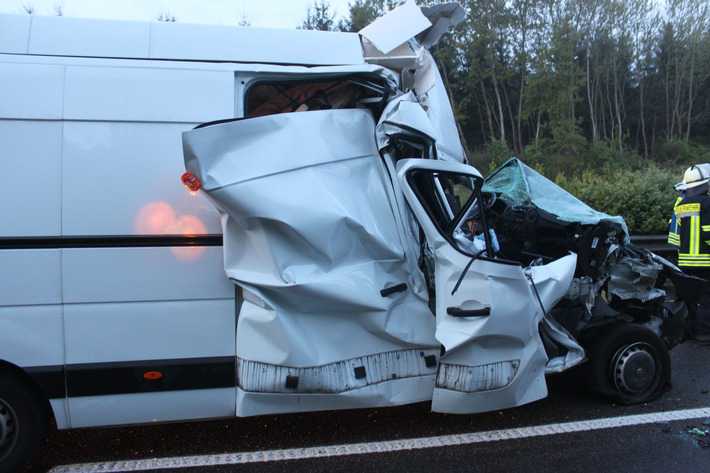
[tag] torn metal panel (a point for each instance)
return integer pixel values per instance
(337, 377)
(632, 278)
(396, 27)
(392, 41)
(443, 17)
(404, 116)
(298, 237)
(574, 354)
(434, 98)
(550, 286)
(471, 379)
(430, 116)
(501, 333)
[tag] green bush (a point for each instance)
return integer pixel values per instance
(681, 154)
(644, 197)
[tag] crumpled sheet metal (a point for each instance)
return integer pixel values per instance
(443, 17)
(309, 232)
(409, 20)
(407, 32)
(553, 282)
(396, 27)
(434, 98)
(517, 315)
(632, 278)
(405, 115)
(575, 354)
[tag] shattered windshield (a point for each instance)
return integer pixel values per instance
(522, 185)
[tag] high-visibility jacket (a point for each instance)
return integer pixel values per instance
(673, 234)
(692, 221)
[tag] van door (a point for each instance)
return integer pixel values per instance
(488, 310)
(330, 316)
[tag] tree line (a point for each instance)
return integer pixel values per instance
(552, 80)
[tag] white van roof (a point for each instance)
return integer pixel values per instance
(65, 36)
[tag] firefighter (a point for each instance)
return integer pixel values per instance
(690, 232)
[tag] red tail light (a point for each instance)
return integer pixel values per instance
(191, 181)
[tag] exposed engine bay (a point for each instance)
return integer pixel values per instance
(615, 281)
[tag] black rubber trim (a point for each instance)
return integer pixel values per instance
(108, 241)
(456, 312)
(388, 291)
(101, 379)
(50, 379)
(220, 122)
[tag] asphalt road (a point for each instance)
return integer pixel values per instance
(658, 447)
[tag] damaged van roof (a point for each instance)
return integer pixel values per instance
(80, 37)
(64, 36)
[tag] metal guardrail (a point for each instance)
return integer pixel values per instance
(656, 243)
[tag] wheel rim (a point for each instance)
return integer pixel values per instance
(9, 429)
(634, 368)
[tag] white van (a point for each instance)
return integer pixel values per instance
(344, 260)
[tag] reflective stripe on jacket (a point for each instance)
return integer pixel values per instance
(673, 234)
(692, 220)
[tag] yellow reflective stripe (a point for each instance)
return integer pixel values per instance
(706, 228)
(694, 207)
(694, 265)
(695, 233)
(693, 237)
(688, 256)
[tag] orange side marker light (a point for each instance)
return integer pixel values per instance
(191, 181)
(152, 375)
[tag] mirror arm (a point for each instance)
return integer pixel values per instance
(465, 270)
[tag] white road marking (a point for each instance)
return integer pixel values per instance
(385, 446)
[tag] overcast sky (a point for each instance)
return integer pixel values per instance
(263, 13)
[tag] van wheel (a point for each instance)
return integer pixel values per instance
(630, 364)
(23, 423)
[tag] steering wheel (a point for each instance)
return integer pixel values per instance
(489, 199)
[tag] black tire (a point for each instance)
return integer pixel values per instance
(629, 364)
(23, 423)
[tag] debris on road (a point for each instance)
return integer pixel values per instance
(700, 434)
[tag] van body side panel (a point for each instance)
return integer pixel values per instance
(139, 408)
(31, 313)
(135, 188)
(105, 246)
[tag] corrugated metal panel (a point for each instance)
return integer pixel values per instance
(469, 379)
(336, 377)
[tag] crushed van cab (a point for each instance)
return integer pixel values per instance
(376, 268)
(333, 248)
